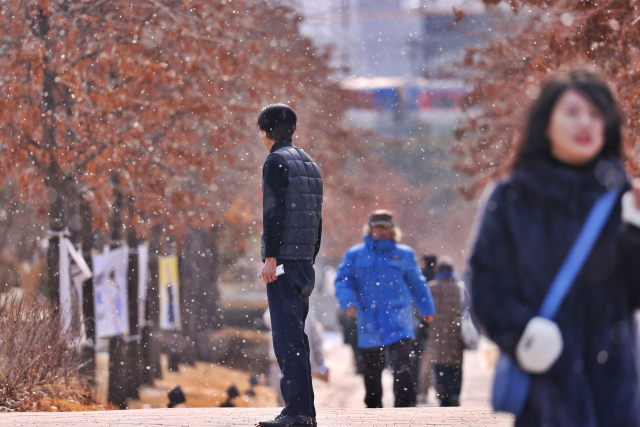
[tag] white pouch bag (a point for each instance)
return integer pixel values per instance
(468, 331)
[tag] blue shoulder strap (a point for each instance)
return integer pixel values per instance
(578, 254)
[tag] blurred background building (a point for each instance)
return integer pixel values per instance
(397, 57)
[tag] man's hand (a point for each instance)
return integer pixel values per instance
(269, 270)
(427, 319)
(636, 191)
(350, 312)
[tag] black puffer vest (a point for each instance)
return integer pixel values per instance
(303, 206)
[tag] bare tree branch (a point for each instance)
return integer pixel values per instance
(32, 23)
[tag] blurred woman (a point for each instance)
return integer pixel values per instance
(569, 157)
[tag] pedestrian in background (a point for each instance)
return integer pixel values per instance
(376, 282)
(292, 222)
(582, 364)
(445, 348)
(429, 265)
(422, 382)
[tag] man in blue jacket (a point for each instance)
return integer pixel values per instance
(376, 282)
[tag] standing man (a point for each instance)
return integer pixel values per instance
(422, 384)
(292, 222)
(376, 282)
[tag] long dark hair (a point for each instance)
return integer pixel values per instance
(535, 144)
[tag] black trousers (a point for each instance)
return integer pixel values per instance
(400, 363)
(418, 349)
(448, 383)
(350, 331)
(289, 305)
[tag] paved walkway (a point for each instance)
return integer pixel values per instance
(340, 403)
(246, 417)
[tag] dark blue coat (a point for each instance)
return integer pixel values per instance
(528, 226)
(380, 278)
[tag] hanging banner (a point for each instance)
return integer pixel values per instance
(71, 269)
(110, 292)
(65, 284)
(143, 280)
(169, 293)
(80, 271)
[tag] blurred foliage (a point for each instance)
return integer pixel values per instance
(542, 39)
(164, 95)
(20, 227)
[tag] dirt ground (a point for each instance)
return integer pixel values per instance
(204, 385)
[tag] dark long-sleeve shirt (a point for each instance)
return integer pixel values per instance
(276, 179)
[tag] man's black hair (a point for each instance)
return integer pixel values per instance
(536, 145)
(278, 121)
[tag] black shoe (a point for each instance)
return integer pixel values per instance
(283, 420)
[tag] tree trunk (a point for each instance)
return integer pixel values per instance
(117, 375)
(85, 237)
(209, 305)
(53, 177)
(118, 348)
(88, 352)
(134, 363)
(201, 273)
(152, 336)
(118, 201)
(56, 225)
(187, 305)
(52, 286)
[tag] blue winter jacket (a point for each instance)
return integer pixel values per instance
(380, 278)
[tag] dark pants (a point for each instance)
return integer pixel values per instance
(350, 331)
(448, 384)
(417, 350)
(374, 362)
(289, 305)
